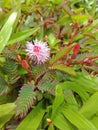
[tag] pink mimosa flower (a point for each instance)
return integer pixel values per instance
(38, 51)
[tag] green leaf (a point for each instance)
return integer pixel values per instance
(61, 53)
(32, 121)
(78, 119)
(3, 86)
(85, 55)
(80, 17)
(64, 68)
(6, 113)
(9, 54)
(37, 70)
(6, 108)
(67, 85)
(70, 98)
(5, 119)
(19, 36)
(10, 67)
(59, 99)
(94, 120)
(61, 122)
(48, 86)
(4, 99)
(28, 2)
(56, 1)
(86, 83)
(40, 35)
(26, 99)
(52, 40)
(91, 106)
(6, 30)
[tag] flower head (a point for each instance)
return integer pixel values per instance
(38, 51)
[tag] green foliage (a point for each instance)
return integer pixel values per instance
(10, 67)
(62, 53)
(3, 86)
(52, 40)
(78, 120)
(22, 35)
(26, 99)
(5, 35)
(61, 122)
(33, 123)
(83, 56)
(92, 85)
(64, 68)
(9, 54)
(58, 100)
(6, 113)
(48, 86)
(90, 105)
(58, 106)
(95, 120)
(62, 92)
(37, 70)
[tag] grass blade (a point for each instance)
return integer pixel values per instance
(6, 30)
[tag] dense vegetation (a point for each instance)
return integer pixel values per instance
(56, 89)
